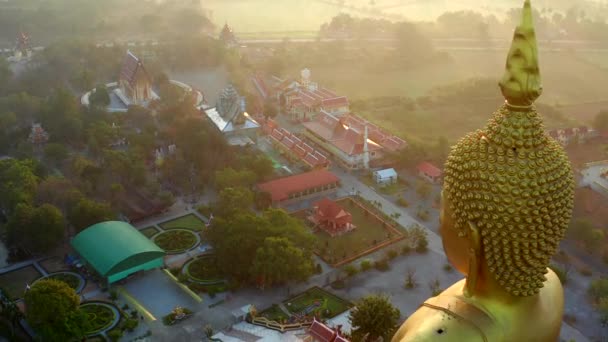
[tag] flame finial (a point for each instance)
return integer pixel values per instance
(521, 83)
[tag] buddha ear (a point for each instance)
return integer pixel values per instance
(474, 236)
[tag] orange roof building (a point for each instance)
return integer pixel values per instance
(300, 186)
(331, 217)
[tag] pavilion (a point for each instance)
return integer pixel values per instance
(116, 250)
(331, 217)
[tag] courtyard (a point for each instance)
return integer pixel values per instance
(371, 233)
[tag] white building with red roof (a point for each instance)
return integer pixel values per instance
(304, 185)
(429, 172)
(353, 141)
(134, 82)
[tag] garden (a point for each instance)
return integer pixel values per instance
(149, 231)
(176, 241)
(190, 222)
(14, 282)
(101, 316)
(370, 231)
(314, 302)
(204, 270)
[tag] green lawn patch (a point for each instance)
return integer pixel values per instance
(274, 313)
(176, 240)
(190, 221)
(149, 231)
(14, 282)
(99, 316)
(204, 269)
(317, 302)
(369, 232)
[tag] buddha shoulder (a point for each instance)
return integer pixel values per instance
(449, 318)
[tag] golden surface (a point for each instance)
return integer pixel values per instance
(506, 203)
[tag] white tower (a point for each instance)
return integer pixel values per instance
(365, 150)
(305, 77)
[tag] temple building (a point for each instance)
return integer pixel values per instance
(296, 150)
(304, 99)
(228, 37)
(331, 217)
(38, 135)
(22, 47)
(356, 143)
(231, 119)
(135, 84)
(299, 187)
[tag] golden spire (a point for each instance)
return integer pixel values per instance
(521, 83)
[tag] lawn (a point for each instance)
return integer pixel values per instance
(149, 231)
(14, 282)
(204, 269)
(369, 232)
(274, 313)
(317, 300)
(176, 240)
(99, 316)
(190, 221)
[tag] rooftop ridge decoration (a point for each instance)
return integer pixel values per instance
(521, 82)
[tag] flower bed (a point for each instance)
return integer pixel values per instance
(176, 241)
(204, 270)
(100, 316)
(177, 315)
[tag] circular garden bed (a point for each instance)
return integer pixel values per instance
(176, 241)
(101, 316)
(74, 280)
(204, 270)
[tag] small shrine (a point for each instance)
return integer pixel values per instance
(38, 135)
(331, 217)
(228, 37)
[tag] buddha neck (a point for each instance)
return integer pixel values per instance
(488, 288)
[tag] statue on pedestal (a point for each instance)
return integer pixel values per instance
(506, 203)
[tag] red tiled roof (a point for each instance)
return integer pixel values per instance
(300, 151)
(280, 189)
(335, 102)
(429, 169)
(288, 142)
(330, 209)
(260, 85)
(321, 332)
(308, 148)
(583, 129)
(132, 68)
(277, 135)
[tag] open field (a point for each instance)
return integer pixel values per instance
(317, 300)
(567, 77)
(14, 282)
(189, 221)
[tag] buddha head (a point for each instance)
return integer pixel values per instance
(511, 182)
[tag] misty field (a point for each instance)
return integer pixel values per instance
(567, 77)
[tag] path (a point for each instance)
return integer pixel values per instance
(284, 309)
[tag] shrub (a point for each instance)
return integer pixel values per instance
(403, 202)
(406, 249)
(598, 289)
(113, 294)
(423, 215)
(131, 324)
(351, 270)
(448, 268)
(381, 265)
(392, 254)
(561, 273)
(182, 278)
(586, 271)
(365, 265)
(125, 307)
(318, 269)
(422, 245)
(115, 335)
(175, 271)
(337, 285)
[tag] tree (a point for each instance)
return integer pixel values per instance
(278, 261)
(423, 189)
(263, 200)
(36, 230)
(435, 287)
(375, 317)
(351, 270)
(100, 97)
(231, 200)
(410, 279)
(10, 311)
(56, 153)
(600, 122)
(18, 183)
(230, 178)
(52, 309)
(87, 212)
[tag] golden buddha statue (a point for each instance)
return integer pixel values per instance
(506, 203)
